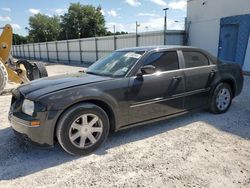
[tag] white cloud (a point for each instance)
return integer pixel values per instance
(34, 11)
(49, 15)
(112, 13)
(152, 24)
(5, 18)
(6, 9)
(103, 12)
(15, 26)
(60, 11)
(134, 3)
(118, 26)
(159, 2)
(180, 5)
(148, 14)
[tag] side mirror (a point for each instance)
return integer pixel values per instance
(148, 69)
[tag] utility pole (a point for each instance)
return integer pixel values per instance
(165, 25)
(136, 32)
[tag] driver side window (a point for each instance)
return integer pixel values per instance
(163, 61)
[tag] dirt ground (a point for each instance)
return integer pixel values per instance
(195, 150)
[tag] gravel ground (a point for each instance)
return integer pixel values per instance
(195, 150)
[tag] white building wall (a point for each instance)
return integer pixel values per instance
(204, 18)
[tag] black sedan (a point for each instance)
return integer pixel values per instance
(129, 87)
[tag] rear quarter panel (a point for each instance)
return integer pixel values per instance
(231, 73)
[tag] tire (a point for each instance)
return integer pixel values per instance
(73, 131)
(39, 70)
(221, 98)
(3, 77)
(28, 66)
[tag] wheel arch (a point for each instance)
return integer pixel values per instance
(225, 78)
(232, 84)
(106, 107)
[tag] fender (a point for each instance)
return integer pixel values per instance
(223, 77)
(76, 95)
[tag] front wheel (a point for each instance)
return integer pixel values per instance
(221, 98)
(82, 129)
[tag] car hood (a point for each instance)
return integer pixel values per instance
(34, 89)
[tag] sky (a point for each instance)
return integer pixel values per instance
(121, 13)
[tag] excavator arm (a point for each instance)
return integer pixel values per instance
(23, 71)
(5, 48)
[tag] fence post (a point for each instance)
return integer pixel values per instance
(28, 50)
(80, 49)
(13, 51)
(68, 51)
(114, 42)
(47, 49)
(24, 56)
(57, 56)
(96, 49)
(136, 39)
(39, 48)
(34, 51)
(20, 50)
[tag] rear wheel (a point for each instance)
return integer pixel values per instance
(34, 70)
(82, 129)
(28, 67)
(39, 70)
(221, 98)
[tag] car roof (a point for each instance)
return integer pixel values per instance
(162, 47)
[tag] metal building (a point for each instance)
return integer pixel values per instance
(222, 27)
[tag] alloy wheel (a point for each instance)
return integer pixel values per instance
(85, 131)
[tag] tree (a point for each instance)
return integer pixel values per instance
(109, 33)
(82, 21)
(18, 39)
(43, 28)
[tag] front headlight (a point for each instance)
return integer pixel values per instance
(28, 107)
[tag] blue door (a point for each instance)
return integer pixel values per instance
(228, 42)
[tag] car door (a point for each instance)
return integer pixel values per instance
(199, 72)
(156, 95)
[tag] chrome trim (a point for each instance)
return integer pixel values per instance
(162, 99)
(158, 73)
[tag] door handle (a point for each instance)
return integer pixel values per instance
(177, 78)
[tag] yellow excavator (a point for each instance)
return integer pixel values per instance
(20, 71)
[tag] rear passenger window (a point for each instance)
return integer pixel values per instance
(195, 59)
(163, 61)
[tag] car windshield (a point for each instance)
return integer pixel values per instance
(117, 64)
